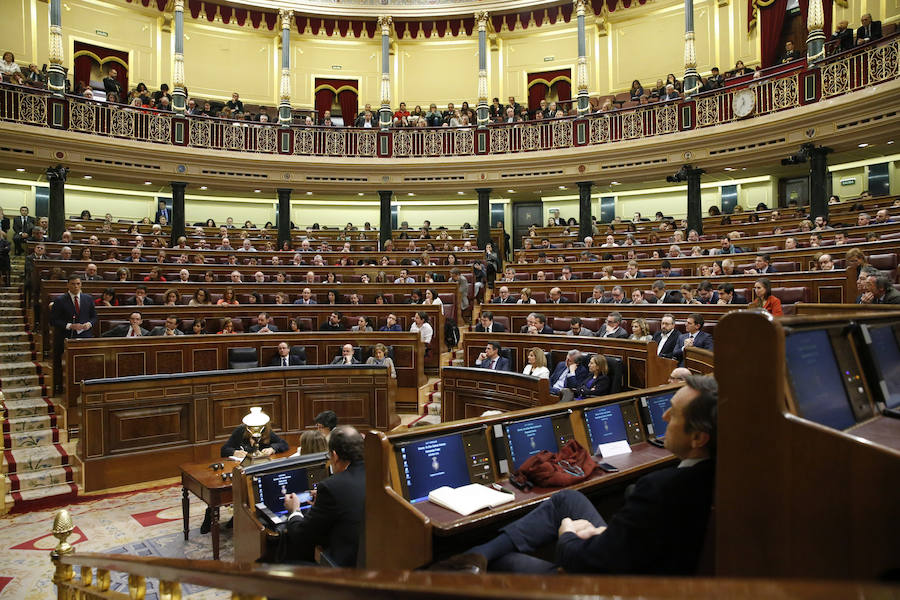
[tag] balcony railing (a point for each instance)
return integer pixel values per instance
(781, 90)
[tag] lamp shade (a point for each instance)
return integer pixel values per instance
(256, 417)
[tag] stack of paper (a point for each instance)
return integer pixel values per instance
(469, 498)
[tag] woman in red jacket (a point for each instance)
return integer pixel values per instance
(763, 298)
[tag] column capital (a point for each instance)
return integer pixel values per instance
(481, 18)
(285, 16)
(178, 6)
(57, 173)
(579, 7)
(384, 23)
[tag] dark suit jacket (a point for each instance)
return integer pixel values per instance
(659, 531)
(495, 328)
(121, 330)
(168, 214)
(575, 380)
(301, 301)
(112, 85)
(148, 301)
(339, 360)
(547, 330)
(335, 520)
(63, 313)
(737, 299)
(256, 328)
(669, 347)
(236, 442)
(293, 360)
(790, 56)
(502, 364)
(846, 38)
(620, 332)
(499, 300)
(21, 224)
(562, 300)
(701, 340)
(161, 330)
(875, 33)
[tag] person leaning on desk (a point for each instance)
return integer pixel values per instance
(238, 446)
(659, 531)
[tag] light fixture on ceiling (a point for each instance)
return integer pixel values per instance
(360, 193)
(256, 191)
(88, 177)
(309, 193)
(730, 169)
(562, 187)
(614, 183)
(863, 145)
(20, 170)
(148, 183)
(510, 191)
(203, 187)
(410, 193)
(461, 193)
(890, 142)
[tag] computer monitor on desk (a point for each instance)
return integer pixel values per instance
(826, 384)
(883, 344)
(287, 476)
(523, 439)
(453, 460)
(653, 409)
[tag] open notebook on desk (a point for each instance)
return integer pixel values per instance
(469, 498)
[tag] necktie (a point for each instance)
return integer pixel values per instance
(77, 305)
(284, 361)
(494, 364)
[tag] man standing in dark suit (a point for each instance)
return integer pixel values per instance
(336, 519)
(869, 31)
(844, 34)
(72, 316)
(111, 85)
(659, 531)
(694, 337)
(284, 358)
(22, 226)
(491, 359)
(613, 327)
(486, 324)
(666, 338)
(163, 211)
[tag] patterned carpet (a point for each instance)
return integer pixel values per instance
(142, 523)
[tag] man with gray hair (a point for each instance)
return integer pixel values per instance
(570, 373)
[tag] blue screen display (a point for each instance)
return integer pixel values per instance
(657, 406)
(605, 425)
(273, 487)
(432, 463)
(887, 354)
(527, 438)
(817, 382)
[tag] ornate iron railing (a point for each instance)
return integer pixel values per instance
(780, 90)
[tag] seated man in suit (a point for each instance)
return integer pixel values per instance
(536, 323)
(491, 359)
(336, 518)
(868, 31)
(392, 324)
(576, 328)
(666, 338)
(844, 34)
(570, 373)
(727, 295)
(617, 296)
(263, 325)
(284, 358)
(761, 266)
(613, 327)
(326, 422)
(305, 297)
(790, 55)
(660, 530)
(504, 297)
(706, 294)
(140, 297)
(566, 274)
(335, 322)
(596, 295)
(131, 329)
(170, 327)
(486, 323)
(556, 296)
(694, 337)
(346, 357)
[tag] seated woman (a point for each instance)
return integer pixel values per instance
(362, 324)
(312, 441)
(421, 326)
(637, 90)
(255, 298)
(107, 298)
(171, 297)
(239, 446)
(640, 331)
(333, 297)
(431, 297)
(763, 298)
(228, 297)
(227, 326)
(598, 384)
(525, 297)
(380, 357)
(537, 364)
(201, 298)
(198, 327)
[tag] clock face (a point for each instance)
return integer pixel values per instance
(743, 103)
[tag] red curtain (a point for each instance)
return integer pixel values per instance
(536, 93)
(324, 100)
(84, 62)
(771, 21)
(563, 90)
(349, 101)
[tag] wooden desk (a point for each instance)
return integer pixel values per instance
(137, 429)
(208, 485)
(422, 532)
(468, 392)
